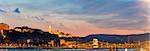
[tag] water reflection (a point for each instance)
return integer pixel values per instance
(63, 50)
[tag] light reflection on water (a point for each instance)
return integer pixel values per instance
(62, 50)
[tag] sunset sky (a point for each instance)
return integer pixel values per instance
(79, 17)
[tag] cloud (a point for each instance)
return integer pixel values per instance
(70, 14)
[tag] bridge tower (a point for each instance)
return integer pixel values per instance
(125, 49)
(95, 43)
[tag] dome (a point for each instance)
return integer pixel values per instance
(4, 26)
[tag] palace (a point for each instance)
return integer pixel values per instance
(60, 34)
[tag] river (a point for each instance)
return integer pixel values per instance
(61, 50)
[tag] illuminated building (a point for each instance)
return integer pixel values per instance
(28, 40)
(51, 43)
(23, 29)
(95, 43)
(62, 41)
(50, 29)
(70, 44)
(3, 27)
(60, 34)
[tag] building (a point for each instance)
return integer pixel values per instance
(50, 29)
(3, 27)
(59, 33)
(23, 29)
(95, 43)
(62, 42)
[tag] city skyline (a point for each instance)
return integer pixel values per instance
(80, 18)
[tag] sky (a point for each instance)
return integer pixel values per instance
(79, 17)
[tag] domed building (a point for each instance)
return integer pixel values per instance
(3, 27)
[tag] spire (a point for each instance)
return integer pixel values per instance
(49, 28)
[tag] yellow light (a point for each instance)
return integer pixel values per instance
(50, 29)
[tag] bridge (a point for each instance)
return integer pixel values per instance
(145, 46)
(141, 46)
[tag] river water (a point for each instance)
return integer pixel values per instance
(61, 50)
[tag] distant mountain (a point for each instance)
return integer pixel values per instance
(119, 38)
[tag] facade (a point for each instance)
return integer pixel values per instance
(23, 29)
(95, 43)
(60, 34)
(3, 27)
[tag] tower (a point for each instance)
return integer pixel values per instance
(95, 43)
(49, 28)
